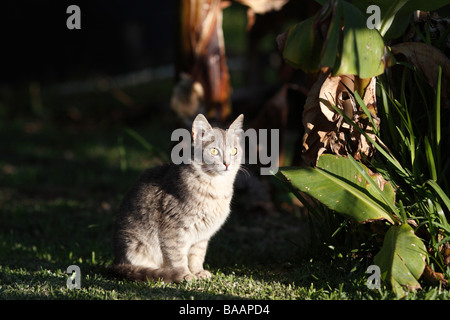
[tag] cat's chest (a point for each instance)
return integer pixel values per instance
(209, 214)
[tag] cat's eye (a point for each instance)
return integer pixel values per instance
(233, 151)
(214, 151)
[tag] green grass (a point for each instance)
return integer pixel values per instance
(59, 191)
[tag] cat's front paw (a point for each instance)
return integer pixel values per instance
(204, 274)
(181, 275)
(187, 277)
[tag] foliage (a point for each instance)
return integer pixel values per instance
(345, 186)
(336, 183)
(337, 38)
(409, 141)
(336, 178)
(402, 258)
(317, 43)
(413, 125)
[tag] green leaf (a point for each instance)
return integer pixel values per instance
(437, 115)
(430, 159)
(362, 48)
(440, 192)
(401, 259)
(355, 50)
(387, 195)
(338, 185)
(366, 111)
(330, 49)
(396, 15)
(303, 46)
(389, 15)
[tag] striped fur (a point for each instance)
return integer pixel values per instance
(168, 216)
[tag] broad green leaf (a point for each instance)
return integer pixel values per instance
(330, 47)
(343, 167)
(401, 259)
(362, 48)
(302, 47)
(376, 185)
(338, 185)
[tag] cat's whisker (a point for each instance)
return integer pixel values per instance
(245, 171)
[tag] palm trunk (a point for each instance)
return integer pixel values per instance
(201, 58)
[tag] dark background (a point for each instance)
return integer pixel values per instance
(116, 36)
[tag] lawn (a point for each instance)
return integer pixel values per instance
(61, 186)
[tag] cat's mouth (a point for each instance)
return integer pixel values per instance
(220, 169)
(224, 168)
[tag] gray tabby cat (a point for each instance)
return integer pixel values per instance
(170, 213)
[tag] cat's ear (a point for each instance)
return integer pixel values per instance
(238, 123)
(200, 126)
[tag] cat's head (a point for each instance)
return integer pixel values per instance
(217, 151)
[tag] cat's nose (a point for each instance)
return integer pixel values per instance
(226, 166)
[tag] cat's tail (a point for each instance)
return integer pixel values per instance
(143, 274)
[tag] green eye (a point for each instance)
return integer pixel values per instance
(214, 151)
(233, 151)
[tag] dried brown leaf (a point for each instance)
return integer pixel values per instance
(434, 276)
(325, 129)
